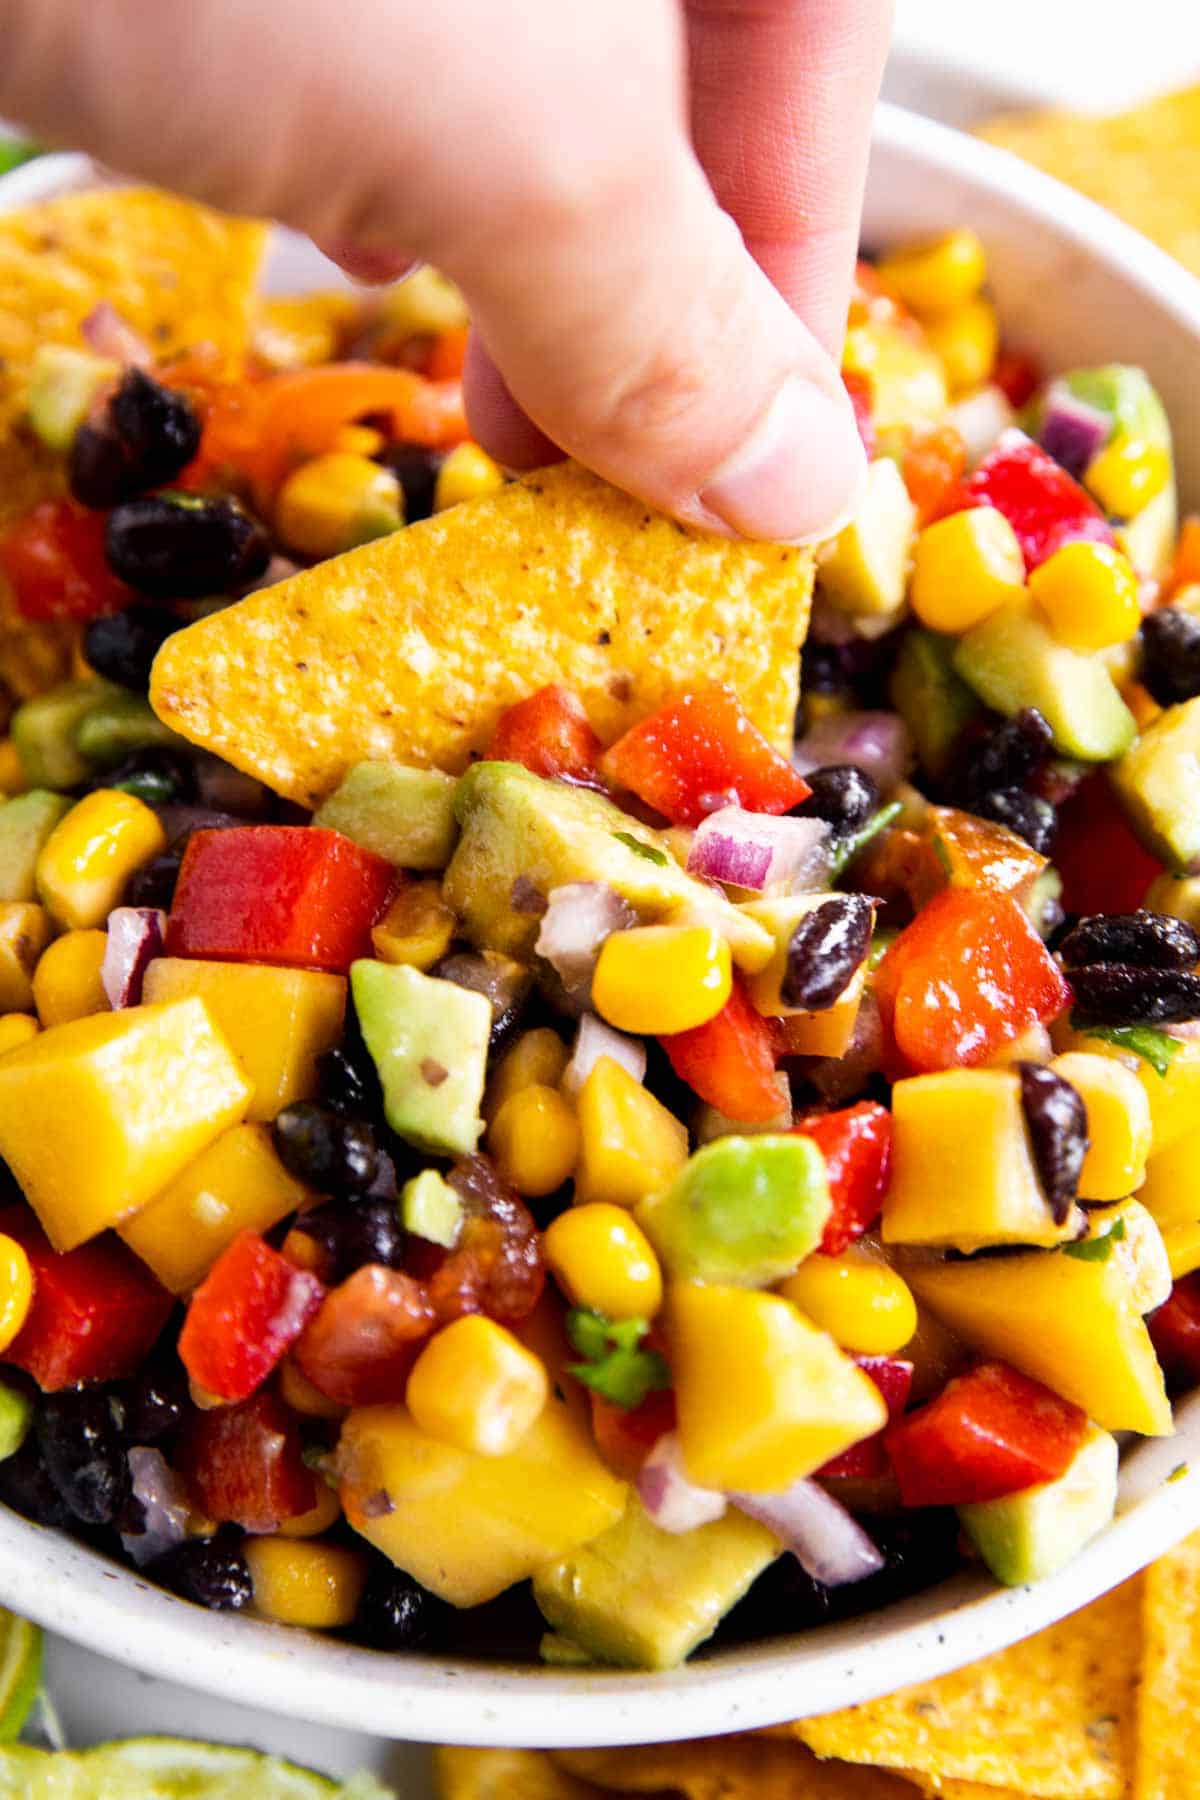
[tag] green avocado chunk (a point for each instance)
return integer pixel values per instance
(16, 1416)
(44, 732)
(430, 1209)
(934, 702)
(429, 1042)
(25, 824)
(645, 1598)
(1027, 1536)
(743, 1210)
(1126, 394)
(1012, 661)
(63, 383)
(403, 814)
(522, 837)
(120, 725)
(1158, 783)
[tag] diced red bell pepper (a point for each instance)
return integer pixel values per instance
(856, 1143)
(245, 1465)
(858, 386)
(868, 1460)
(701, 752)
(288, 894)
(1175, 1329)
(1018, 376)
(625, 1435)
(244, 1317)
(1104, 866)
(55, 563)
(550, 734)
(932, 466)
(96, 1310)
(968, 975)
(730, 1061)
(359, 1348)
(1045, 506)
(989, 1433)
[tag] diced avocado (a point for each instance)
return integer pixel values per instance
(44, 732)
(1028, 1535)
(430, 1209)
(25, 824)
(934, 702)
(119, 725)
(865, 568)
(522, 836)
(429, 1042)
(1127, 395)
(403, 814)
(1158, 784)
(1012, 661)
(1148, 539)
(646, 1598)
(908, 379)
(16, 1416)
(743, 1210)
(1043, 902)
(63, 383)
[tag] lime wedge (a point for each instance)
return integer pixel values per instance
(165, 1769)
(20, 1672)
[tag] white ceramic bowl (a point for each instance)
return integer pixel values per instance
(1079, 287)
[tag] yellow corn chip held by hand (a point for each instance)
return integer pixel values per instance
(1169, 1702)
(505, 1775)
(730, 1768)
(410, 647)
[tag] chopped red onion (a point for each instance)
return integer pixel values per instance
(135, 938)
(577, 920)
(757, 851)
(594, 1039)
(980, 419)
(827, 1542)
(673, 1502)
(165, 1504)
(878, 742)
(105, 332)
(1071, 431)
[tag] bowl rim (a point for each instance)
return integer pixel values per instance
(91, 1600)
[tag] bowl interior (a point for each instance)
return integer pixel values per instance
(1076, 286)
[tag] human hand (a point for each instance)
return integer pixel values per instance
(651, 205)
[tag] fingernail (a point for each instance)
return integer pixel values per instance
(373, 266)
(798, 476)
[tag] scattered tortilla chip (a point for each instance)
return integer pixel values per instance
(731, 1768)
(1168, 1753)
(505, 1775)
(1143, 165)
(1052, 1717)
(412, 646)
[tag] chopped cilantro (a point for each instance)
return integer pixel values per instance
(1156, 1047)
(1179, 1471)
(1097, 1249)
(885, 936)
(649, 851)
(15, 151)
(613, 1365)
(844, 850)
(941, 852)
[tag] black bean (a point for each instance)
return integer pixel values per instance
(326, 1150)
(84, 1454)
(505, 983)
(156, 775)
(182, 545)
(821, 669)
(155, 1402)
(1145, 940)
(154, 883)
(1057, 1121)
(1171, 655)
(211, 1571)
(121, 646)
(841, 793)
(145, 435)
(1005, 757)
(356, 1232)
(826, 948)
(1030, 817)
(417, 471)
(1121, 994)
(396, 1613)
(25, 1485)
(347, 1080)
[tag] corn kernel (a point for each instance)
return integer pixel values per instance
(467, 474)
(864, 1305)
(1178, 895)
(964, 568)
(661, 979)
(24, 934)
(534, 1140)
(318, 1518)
(296, 331)
(629, 1144)
(1089, 594)
(333, 502)
(16, 1028)
(1118, 1123)
(1127, 474)
(86, 861)
(16, 1290)
(424, 302)
(66, 982)
(303, 1581)
(13, 779)
(359, 440)
(301, 1395)
(602, 1259)
(417, 927)
(477, 1387)
(537, 1057)
(937, 276)
(966, 340)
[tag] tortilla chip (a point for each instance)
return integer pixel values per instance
(1143, 165)
(412, 646)
(1168, 1754)
(731, 1768)
(505, 1775)
(1052, 1717)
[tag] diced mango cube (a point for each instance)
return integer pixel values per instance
(629, 1144)
(97, 1116)
(1174, 1096)
(1118, 1121)
(24, 934)
(1171, 1190)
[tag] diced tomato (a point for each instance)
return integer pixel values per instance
(362, 1343)
(1175, 1329)
(857, 1146)
(701, 752)
(244, 1317)
(1104, 866)
(290, 894)
(245, 1464)
(968, 975)
(1018, 376)
(730, 1061)
(858, 387)
(55, 564)
(989, 1433)
(96, 1310)
(550, 734)
(1044, 505)
(1185, 570)
(869, 1459)
(932, 467)
(625, 1435)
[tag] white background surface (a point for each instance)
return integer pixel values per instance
(955, 58)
